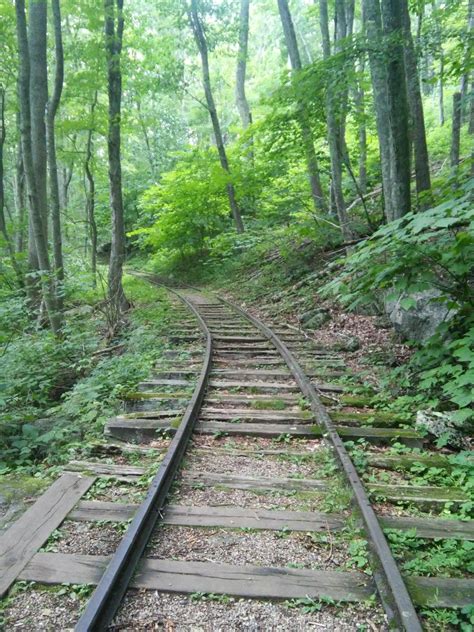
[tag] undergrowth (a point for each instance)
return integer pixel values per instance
(56, 394)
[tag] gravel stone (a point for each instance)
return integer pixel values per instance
(86, 538)
(267, 466)
(35, 610)
(178, 613)
(233, 546)
(215, 497)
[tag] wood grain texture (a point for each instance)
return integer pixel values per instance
(21, 541)
(189, 577)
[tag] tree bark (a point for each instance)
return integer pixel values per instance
(240, 96)
(359, 98)
(373, 30)
(114, 24)
(20, 195)
(306, 133)
(456, 129)
(333, 116)
(422, 162)
(3, 225)
(90, 199)
(398, 107)
(39, 97)
(35, 207)
(201, 43)
(51, 112)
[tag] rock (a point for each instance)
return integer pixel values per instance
(419, 321)
(315, 318)
(440, 425)
(351, 343)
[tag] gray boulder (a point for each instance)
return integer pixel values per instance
(440, 425)
(419, 321)
(315, 318)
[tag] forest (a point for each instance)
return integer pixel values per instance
(306, 157)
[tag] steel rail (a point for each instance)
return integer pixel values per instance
(390, 585)
(113, 585)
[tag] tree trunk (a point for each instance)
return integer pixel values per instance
(359, 98)
(465, 77)
(3, 225)
(90, 200)
(51, 111)
(456, 129)
(151, 158)
(471, 110)
(240, 96)
(378, 71)
(39, 97)
(398, 107)
(36, 223)
(422, 163)
(114, 24)
(201, 43)
(306, 133)
(333, 115)
(20, 196)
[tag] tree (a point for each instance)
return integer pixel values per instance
(306, 133)
(398, 107)
(373, 31)
(114, 25)
(334, 123)
(90, 197)
(51, 110)
(3, 224)
(240, 96)
(201, 42)
(27, 108)
(417, 119)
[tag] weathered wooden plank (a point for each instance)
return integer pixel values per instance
(230, 517)
(257, 582)
(90, 510)
(441, 592)
(407, 461)
(249, 482)
(259, 416)
(431, 527)
(21, 541)
(164, 382)
(152, 414)
(271, 386)
(124, 472)
(237, 517)
(429, 495)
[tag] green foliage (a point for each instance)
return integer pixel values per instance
(433, 249)
(54, 393)
(451, 558)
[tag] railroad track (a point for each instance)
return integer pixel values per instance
(256, 426)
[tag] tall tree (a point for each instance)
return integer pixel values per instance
(398, 107)
(306, 133)
(201, 42)
(90, 197)
(37, 18)
(3, 225)
(417, 118)
(27, 107)
(114, 25)
(373, 31)
(334, 123)
(240, 96)
(51, 111)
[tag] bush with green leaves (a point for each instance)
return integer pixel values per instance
(54, 393)
(422, 251)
